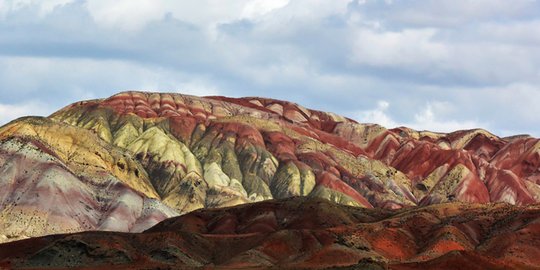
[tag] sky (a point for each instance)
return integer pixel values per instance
(438, 65)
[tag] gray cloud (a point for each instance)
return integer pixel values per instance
(429, 64)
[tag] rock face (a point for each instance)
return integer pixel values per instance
(304, 233)
(129, 161)
(55, 178)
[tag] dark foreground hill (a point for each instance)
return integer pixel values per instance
(303, 232)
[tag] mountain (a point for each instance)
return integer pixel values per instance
(255, 182)
(129, 161)
(304, 233)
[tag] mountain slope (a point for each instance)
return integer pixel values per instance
(303, 232)
(56, 178)
(129, 161)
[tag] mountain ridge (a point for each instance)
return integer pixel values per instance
(137, 158)
(303, 233)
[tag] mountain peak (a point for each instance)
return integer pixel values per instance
(142, 157)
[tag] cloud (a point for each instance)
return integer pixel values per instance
(257, 8)
(43, 7)
(125, 14)
(413, 48)
(24, 77)
(448, 13)
(378, 115)
(133, 15)
(9, 112)
(435, 64)
(427, 118)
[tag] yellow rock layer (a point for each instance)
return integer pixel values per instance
(83, 151)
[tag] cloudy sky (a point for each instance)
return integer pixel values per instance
(428, 64)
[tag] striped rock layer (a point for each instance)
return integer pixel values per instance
(129, 161)
(303, 233)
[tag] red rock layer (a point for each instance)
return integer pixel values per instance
(304, 233)
(416, 154)
(470, 165)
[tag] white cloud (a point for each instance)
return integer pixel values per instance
(133, 15)
(379, 115)
(125, 14)
(9, 112)
(48, 6)
(427, 118)
(514, 32)
(456, 55)
(316, 9)
(481, 57)
(414, 48)
(90, 78)
(448, 13)
(510, 105)
(197, 87)
(256, 8)
(44, 7)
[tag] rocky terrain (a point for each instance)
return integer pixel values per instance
(303, 232)
(130, 161)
